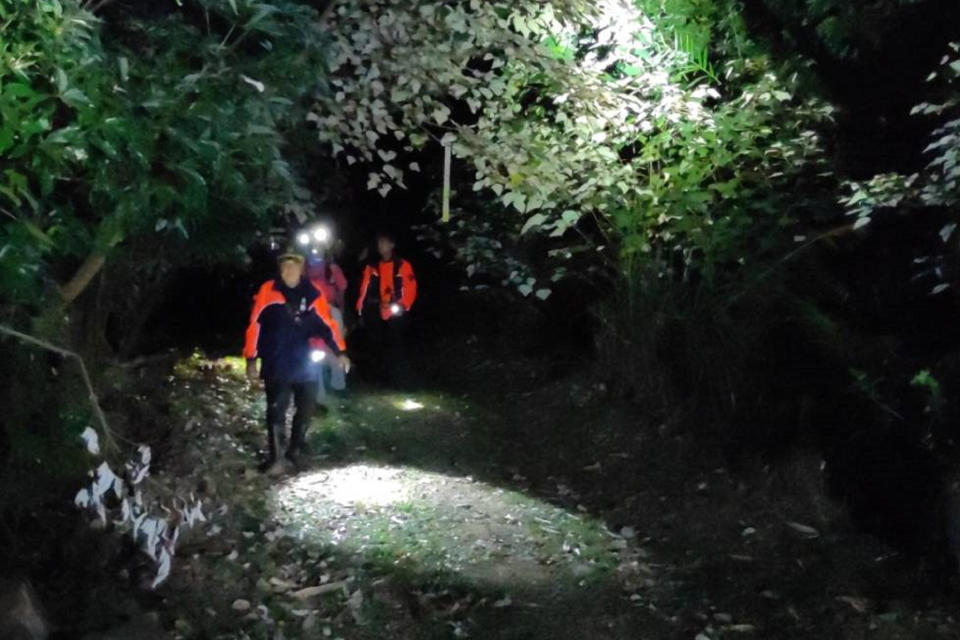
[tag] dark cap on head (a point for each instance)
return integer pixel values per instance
(290, 254)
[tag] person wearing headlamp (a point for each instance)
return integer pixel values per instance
(327, 277)
(287, 313)
(387, 294)
(315, 239)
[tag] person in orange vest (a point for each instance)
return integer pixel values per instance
(287, 313)
(388, 291)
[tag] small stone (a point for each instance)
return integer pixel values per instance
(281, 585)
(323, 589)
(241, 605)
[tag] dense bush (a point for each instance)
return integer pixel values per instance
(134, 149)
(135, 140)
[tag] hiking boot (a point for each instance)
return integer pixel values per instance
(275, 468)
(297, 454)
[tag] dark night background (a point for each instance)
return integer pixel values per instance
(703, 438)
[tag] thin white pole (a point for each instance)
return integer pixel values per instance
(445, 216)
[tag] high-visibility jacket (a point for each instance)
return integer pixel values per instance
(395, 283)
(282, 322)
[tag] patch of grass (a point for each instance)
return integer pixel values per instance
(329, 440)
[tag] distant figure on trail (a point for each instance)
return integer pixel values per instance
(287, 312)
(387, 293)
(327, 277)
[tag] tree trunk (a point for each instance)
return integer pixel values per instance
(145, 309)
(88, 322)
(81, 279)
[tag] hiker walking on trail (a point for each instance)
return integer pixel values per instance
(287, 312)
(387, 293)
(327, 277)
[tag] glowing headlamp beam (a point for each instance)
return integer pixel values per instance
(321, 234)
(316, 355)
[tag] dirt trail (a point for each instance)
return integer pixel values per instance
(397, 528)
(518, 510)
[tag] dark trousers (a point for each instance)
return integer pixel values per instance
(279, 394)
(389, 338)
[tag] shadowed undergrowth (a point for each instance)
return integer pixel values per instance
(519, 509)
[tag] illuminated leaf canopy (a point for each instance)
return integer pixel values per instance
(564, 111)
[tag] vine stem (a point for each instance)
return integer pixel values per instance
(111, 443)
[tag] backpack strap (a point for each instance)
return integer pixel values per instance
(397, 279)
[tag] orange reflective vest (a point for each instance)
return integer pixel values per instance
(271, 315)
(395, 282)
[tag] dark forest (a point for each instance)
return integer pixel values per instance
(520, 320)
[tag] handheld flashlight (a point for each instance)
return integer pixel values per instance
(316, 355)
(303, 238)
(395, 309)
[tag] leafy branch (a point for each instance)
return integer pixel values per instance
(91, 393)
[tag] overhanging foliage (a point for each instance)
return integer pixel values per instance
(614, 114)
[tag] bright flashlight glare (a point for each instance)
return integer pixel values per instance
(395, 309)
(317, 355)
(347, 486)
(321, 234)
(304, 238)
(409, 405)
(408, 512)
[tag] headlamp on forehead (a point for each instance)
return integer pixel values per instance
(315, 237)
(321, 234)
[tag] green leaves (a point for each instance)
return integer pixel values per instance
(75, 98)
(938, 184)
(124, 148)
(534, 221)
(642, 127)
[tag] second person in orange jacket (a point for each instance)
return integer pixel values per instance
(388, 292)
(390, 285)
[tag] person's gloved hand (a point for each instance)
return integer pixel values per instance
(252, 375)
(345, 362)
